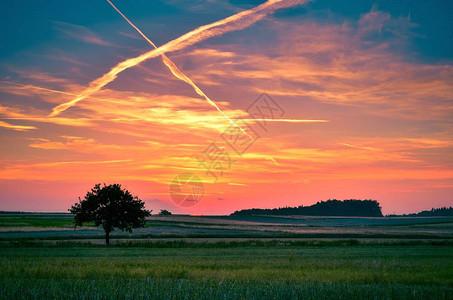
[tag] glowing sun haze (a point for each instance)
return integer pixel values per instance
(366, 87)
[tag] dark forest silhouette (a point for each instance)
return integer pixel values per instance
(349, 208)
(435, 212)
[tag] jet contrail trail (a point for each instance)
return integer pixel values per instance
(235, 22)
(175, 70)
(288, 120)
(131, 119)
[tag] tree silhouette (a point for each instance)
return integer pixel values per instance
(112, 207)
(356, 208)
(164, 212)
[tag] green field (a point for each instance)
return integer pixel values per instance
(185, 257)
(412, 272)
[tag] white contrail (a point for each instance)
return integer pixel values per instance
(235, 22)
(129, 119)
(287, 120)
(175, 70)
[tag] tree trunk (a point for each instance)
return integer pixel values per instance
(107, 238)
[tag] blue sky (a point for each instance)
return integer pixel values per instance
(366, 85)
(30, 24)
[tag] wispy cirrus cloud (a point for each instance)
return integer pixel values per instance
(363, 117)
(336, 63)
(16, 127)
(80, 33)
(235, 22)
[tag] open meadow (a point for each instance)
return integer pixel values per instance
(184, 257)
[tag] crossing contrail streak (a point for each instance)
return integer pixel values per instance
(132, 119)
(235, 22)
(175, 70)
(288, 120)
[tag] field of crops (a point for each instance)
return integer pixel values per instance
(413, 272)
(60, 227)
(269, 258)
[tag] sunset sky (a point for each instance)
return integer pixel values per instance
(365, 90)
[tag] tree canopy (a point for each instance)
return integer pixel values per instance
(110, 206)
(356, 208)
(434, 212)
(164, 212)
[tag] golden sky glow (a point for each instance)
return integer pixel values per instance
(364, 116)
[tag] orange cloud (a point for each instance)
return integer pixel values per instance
(16, 127)
(361, 121)
(235, 22)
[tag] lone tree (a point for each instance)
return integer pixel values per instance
(112, 207)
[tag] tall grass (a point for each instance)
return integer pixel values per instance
(417, 265)
(149, 288)
(201, 267)
(206, 243)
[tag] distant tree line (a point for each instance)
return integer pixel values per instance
(164, 212)
(435, 212)
(349, 208)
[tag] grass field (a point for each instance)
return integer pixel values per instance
(59, 227)
(184, 267)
